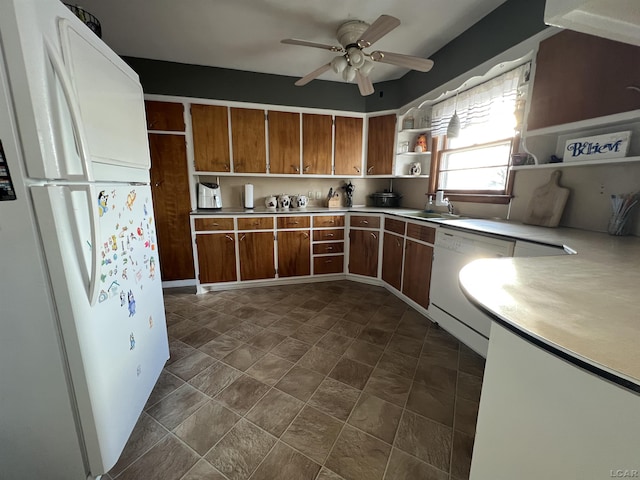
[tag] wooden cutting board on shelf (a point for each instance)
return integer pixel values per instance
(547, 203)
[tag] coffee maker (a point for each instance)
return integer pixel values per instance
(209, 195)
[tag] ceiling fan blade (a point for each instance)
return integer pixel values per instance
(378, 29)
(304, 43)
(316, 73)
(407, 61)
(364, 84)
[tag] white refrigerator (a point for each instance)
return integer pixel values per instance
(83, 336)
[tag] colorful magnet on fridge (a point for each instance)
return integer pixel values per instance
(131, 198)
(102, 203)
(132, 342)
(102, 296)
(132, 304)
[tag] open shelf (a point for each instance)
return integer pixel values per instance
(583, 163)
(414, 154)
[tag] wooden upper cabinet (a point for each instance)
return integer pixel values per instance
(316, 144)
(348, 146)
(381, 145)
(210, 138)
(581, 76)
(166, 116)
(248, 138)
(284, 142)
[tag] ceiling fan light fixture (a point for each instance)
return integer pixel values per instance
(338, 64)
(367, 68)
(349, 74)
(356, 57)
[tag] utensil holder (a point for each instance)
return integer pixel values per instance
(618, 225)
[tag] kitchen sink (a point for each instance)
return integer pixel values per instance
(443, 215)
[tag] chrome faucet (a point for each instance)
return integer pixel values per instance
(449, 205)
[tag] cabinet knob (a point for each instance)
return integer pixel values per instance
(227, 167)
(306, 168)
(295, 169)
(357, 169)
(305, 235)
(242, 238)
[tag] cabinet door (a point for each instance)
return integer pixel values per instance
(256, 255)
(172, 205)
(363, 252)
(165, 116)
(216, 257)
(316, 144)
(417, 272)
(210, 138)
(381, 144)
(249, 140)
(284, 142)
(294, 253)
(348, 148)
(392, 250)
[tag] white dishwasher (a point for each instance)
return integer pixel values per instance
(449, 307)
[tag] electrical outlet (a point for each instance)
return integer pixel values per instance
(310, 195)
(318, 195)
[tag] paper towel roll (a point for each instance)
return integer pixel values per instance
(248, 195)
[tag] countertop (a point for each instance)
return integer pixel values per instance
(584, 307)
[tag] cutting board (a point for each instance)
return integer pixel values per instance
(547, 203)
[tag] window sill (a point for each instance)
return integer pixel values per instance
(478, 198)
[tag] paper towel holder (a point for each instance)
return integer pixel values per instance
(248, 196)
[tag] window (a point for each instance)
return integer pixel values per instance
(474, 166)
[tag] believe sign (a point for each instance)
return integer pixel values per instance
(610, 145)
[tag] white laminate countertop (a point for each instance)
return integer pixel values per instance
(585, 307)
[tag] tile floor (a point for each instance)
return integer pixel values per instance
(324, 381)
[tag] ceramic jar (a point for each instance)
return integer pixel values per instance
(270, 202)
(284, 201)
(415, 168)
(300, 201)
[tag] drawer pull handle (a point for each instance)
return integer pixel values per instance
(364, 222)
(229, 237)
(332, 221)
(215, 224)
(293, 223)
(370, 170)
(255, 224)
(329, 235)
(328, 261)
(357, 169)
(329, 248)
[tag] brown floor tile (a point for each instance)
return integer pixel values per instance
(275, 411)
(214, 379)
(245, 331)
(291, 349)
(167, 383)
(405, 467)
(265, 319)
(167, 460)
(423, 438)
(405, 345)
(285, 326)
(351, 372)
(364, 352)
(388, 386)
(300, 382)
(220, 347)
(319, 360)
(361, 316)
(242, 394)
(314, 304)
(269, 369)
(435, 376)
(347, 328)
(206, 427)
(182, 329)
(437, 354)
(413, 325)
(247, 312)
(224, 306)
(146, 433)
(375, 336)
(334, 398)
(471, 363)
(442, 337)
(178, 350)
(322, 321)
(189, 366)
(326, 474)
(243, 357)
(358, 456)
(223, 322)
(387, 324)
(200, 337)
(399, 364)
(461, 457)
(300, 314)
(434, 404)
(334, 342)
(266, 340)
(284, 463)
(203, 471)
(313, 433)
(240, 451)
(377, 417)
(469, 387)
(308, 334)
(466, 416)
(177, 406)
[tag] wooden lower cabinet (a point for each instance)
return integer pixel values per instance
(392, 250)
(256, 255)
(294, 253)
(363, 252)
(172, 205)
(217, 257)
(416, 280)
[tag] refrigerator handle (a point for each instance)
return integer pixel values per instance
(74, 109)
(94, 276)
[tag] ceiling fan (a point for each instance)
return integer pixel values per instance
(353, 62)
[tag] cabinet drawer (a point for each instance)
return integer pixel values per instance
(334, 234)
(421, 232)
(333, 264)
(365, 221)
(329, 221)
(213, 224)
(321, 248)
(395, 226)
(255, 223)
(294, 222)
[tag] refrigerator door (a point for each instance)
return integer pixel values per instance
(82, 103)
(101, 238)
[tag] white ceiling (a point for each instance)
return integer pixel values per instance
(246, 34)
